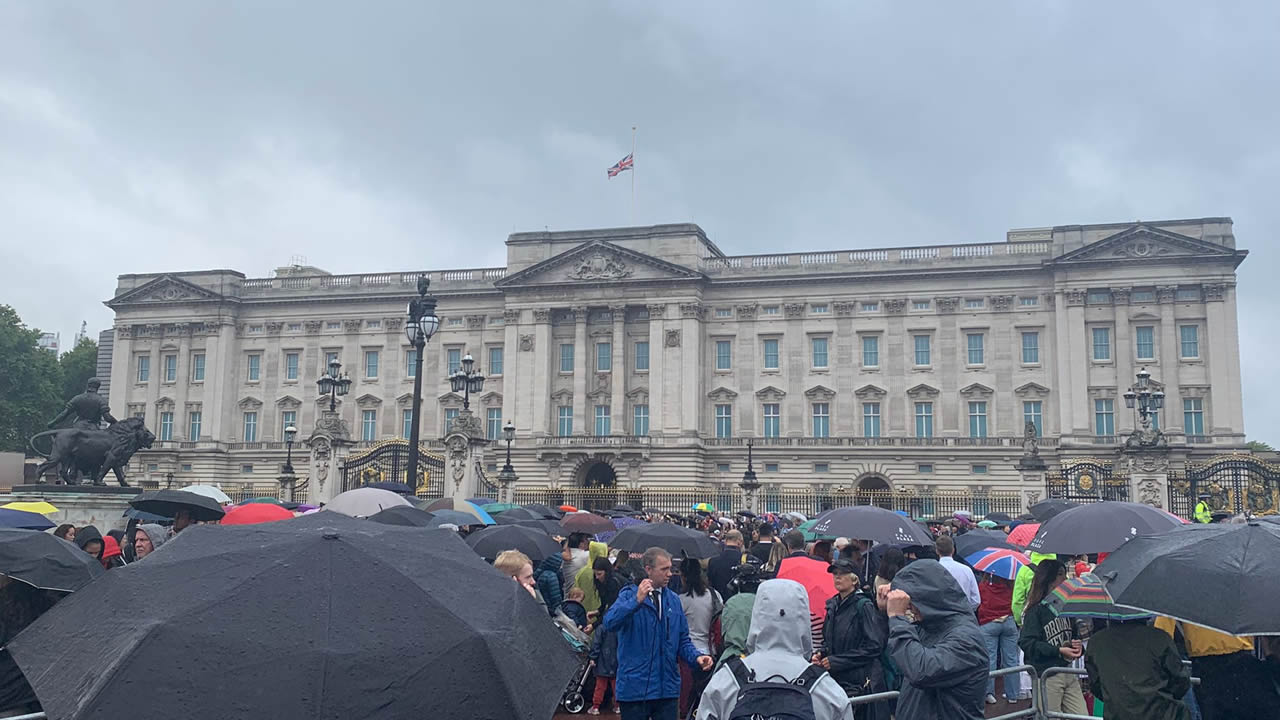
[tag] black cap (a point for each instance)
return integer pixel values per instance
(843, 566)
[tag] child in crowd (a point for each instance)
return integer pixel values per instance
(574, 608)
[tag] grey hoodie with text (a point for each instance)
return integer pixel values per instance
(779, 643)
(942, 657)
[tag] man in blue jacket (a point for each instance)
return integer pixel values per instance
(652, 635)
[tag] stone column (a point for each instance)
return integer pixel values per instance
(1032, 467)
(1122, 353)
(464, 452)
(1170, 344)
(121, 372)
(691, 390)
(1226, 295)
(538, 377)
(329, 443)
(1220, 361)
(182, 383)
(618, 375)
(657, 380)
(221, 380)
(511, 375)
(1148, 474)
(580, 351)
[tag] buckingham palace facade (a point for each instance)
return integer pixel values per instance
(646, 355)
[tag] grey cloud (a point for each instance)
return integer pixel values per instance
(392, 135)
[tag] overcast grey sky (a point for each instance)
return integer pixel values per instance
(151, 136)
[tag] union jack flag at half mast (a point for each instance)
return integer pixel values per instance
(623, 164)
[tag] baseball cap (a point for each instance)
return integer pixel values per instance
(842, 566)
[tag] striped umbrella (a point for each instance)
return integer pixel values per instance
(1023, 534)
(1000, 562)
(1085, 597)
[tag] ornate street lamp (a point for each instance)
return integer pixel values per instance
(334, 383)
(1147, 402)
(422, 324)
(507, 475)
(290, 433)
(467, 380)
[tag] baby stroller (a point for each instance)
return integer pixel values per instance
(574, 700)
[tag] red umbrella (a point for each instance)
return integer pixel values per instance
(1023, 534)
(813, 575)
(254, 513)
(585, 522)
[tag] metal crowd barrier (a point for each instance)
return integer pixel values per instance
(1030, 712)
(32, 716)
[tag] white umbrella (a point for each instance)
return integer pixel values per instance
(208, 491)
(365, 501)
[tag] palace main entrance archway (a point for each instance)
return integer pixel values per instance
(874, 490)
(598, 474)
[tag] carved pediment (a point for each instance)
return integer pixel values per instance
(976, 390)
(562, 396)
(405, 400)
(639, 396)
(922, 391)
(492, 398)
(1145, 242)
(288, 402)
(722, 394)
(249, 403)
(1031, 390)
(368, 400)
(164, 404)
(820, 392)
(450, 399)
(597, 261)
(167, 289)
(769, 393)
(870, 392)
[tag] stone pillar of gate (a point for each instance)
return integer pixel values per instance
(329, 443)
(464, 452)
(1148, 470)
(1032, 469)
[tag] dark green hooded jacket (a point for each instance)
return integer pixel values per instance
(1137, 673)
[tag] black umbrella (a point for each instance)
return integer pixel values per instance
(1236, 571)
(449, 517)
(868, 522)
(406, 516)
(493, 540)
(999, 518)
(545, 525)
(542, 511)
(290, 620)
(170, 502)
(678, 541)
(623, 508)
(1045, 510)
(45, 561)
(975, 540)
(1100, 527)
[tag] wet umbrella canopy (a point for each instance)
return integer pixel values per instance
(1099, 527)
(674, 539)
(292, 620)
(975, 540)
(406, 516)
(21, 519)
(492, 540)
(868, 522)
(1235, 571)
(46, 562)
(585, 522)
(170, 502)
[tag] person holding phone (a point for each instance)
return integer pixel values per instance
(1050, 641)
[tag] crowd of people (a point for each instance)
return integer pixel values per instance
(776, 619)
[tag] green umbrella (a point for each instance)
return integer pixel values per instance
(263, 500)
(495, 508)
(809, 534)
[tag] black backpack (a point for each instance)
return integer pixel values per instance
(774, 698)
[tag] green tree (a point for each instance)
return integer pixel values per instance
(78, 365)
(1259, 446)
(30, 383)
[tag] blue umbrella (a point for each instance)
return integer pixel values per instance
(619, 523)
(23, 520)
(146, 517)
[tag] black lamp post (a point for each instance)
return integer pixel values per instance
(422, 324)
(467, 380)
(750, 483)
(290, 433)
(1144, 399)
(334, 383)
(507, 475)
(168, 480)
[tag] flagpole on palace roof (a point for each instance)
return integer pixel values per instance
(633, 175)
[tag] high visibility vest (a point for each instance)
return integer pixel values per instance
(1202, 512)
